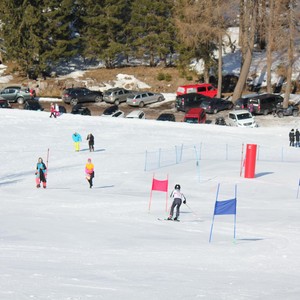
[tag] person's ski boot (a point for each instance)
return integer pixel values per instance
(169, 218)
(38, 185)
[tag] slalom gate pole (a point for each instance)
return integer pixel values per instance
(242, 158)
(47, 161)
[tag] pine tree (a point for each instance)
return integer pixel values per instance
(102, 27)
(37, 32)
(151, 29)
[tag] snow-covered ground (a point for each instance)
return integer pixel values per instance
(71, 242)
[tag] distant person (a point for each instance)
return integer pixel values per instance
(76, 139)
(292, 138)
(40, 173)
(91, 140)
(297, 138)
(52, 110)
(56, 107)
(89, 172)
(178, 198)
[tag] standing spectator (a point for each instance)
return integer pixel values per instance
(89, 171)
(77, 139)
(91, 139)
(40, 173)
(52, 110)
(297, 136)
(57, 113)
(292, 138)
(178, 198)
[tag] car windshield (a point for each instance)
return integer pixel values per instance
(108, 93)
(191, 120)
(243, 116)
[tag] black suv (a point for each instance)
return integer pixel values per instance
(166, 117)
(78, 109)
(264, 103)
(186, 101)
(214, 105)
(74, 96)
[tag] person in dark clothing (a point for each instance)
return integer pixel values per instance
(178, 198)
(91, 139)
(297, 137)
(292, 138)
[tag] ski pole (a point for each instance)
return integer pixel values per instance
(47, 160)
(192, 210)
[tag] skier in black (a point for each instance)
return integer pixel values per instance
(292, 138)
(178, 199)
(90, 138)
(297, 136)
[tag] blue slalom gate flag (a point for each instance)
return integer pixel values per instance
(227, 207)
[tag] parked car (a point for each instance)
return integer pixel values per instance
(117, 95)
(205, 89)
(61, 110)
(136, 114)
(110, 110)
(195, 115)
(242, 103)
(166, 117)
(186, 101)
(143, 98)
(33, 105)
(241, 118)
(4, 103)
(16, 94)
(74, 96)
(291, 110)
(116, 114)
(264, 103)
(78, 109)
(214, 105)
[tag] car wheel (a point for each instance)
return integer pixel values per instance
(20, 100)
(160, 99)
(215, 111)
(280, 114)
(295, 113)
(117, 102)
(74, 101)
(265, 112)
(98, 99)
(141, 104)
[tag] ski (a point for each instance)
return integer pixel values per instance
(168, 220)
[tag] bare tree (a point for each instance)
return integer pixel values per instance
(291, 49)
(249, 12)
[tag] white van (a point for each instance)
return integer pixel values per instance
(241, 118)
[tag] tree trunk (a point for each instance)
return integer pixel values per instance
(291, 51)
(252, 13)
(220, 65)
(270, 45)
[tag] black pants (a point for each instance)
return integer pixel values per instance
(91, 179)
(91, 146)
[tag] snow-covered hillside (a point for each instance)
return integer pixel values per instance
(72, 242)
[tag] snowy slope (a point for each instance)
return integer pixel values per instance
(71, 242)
